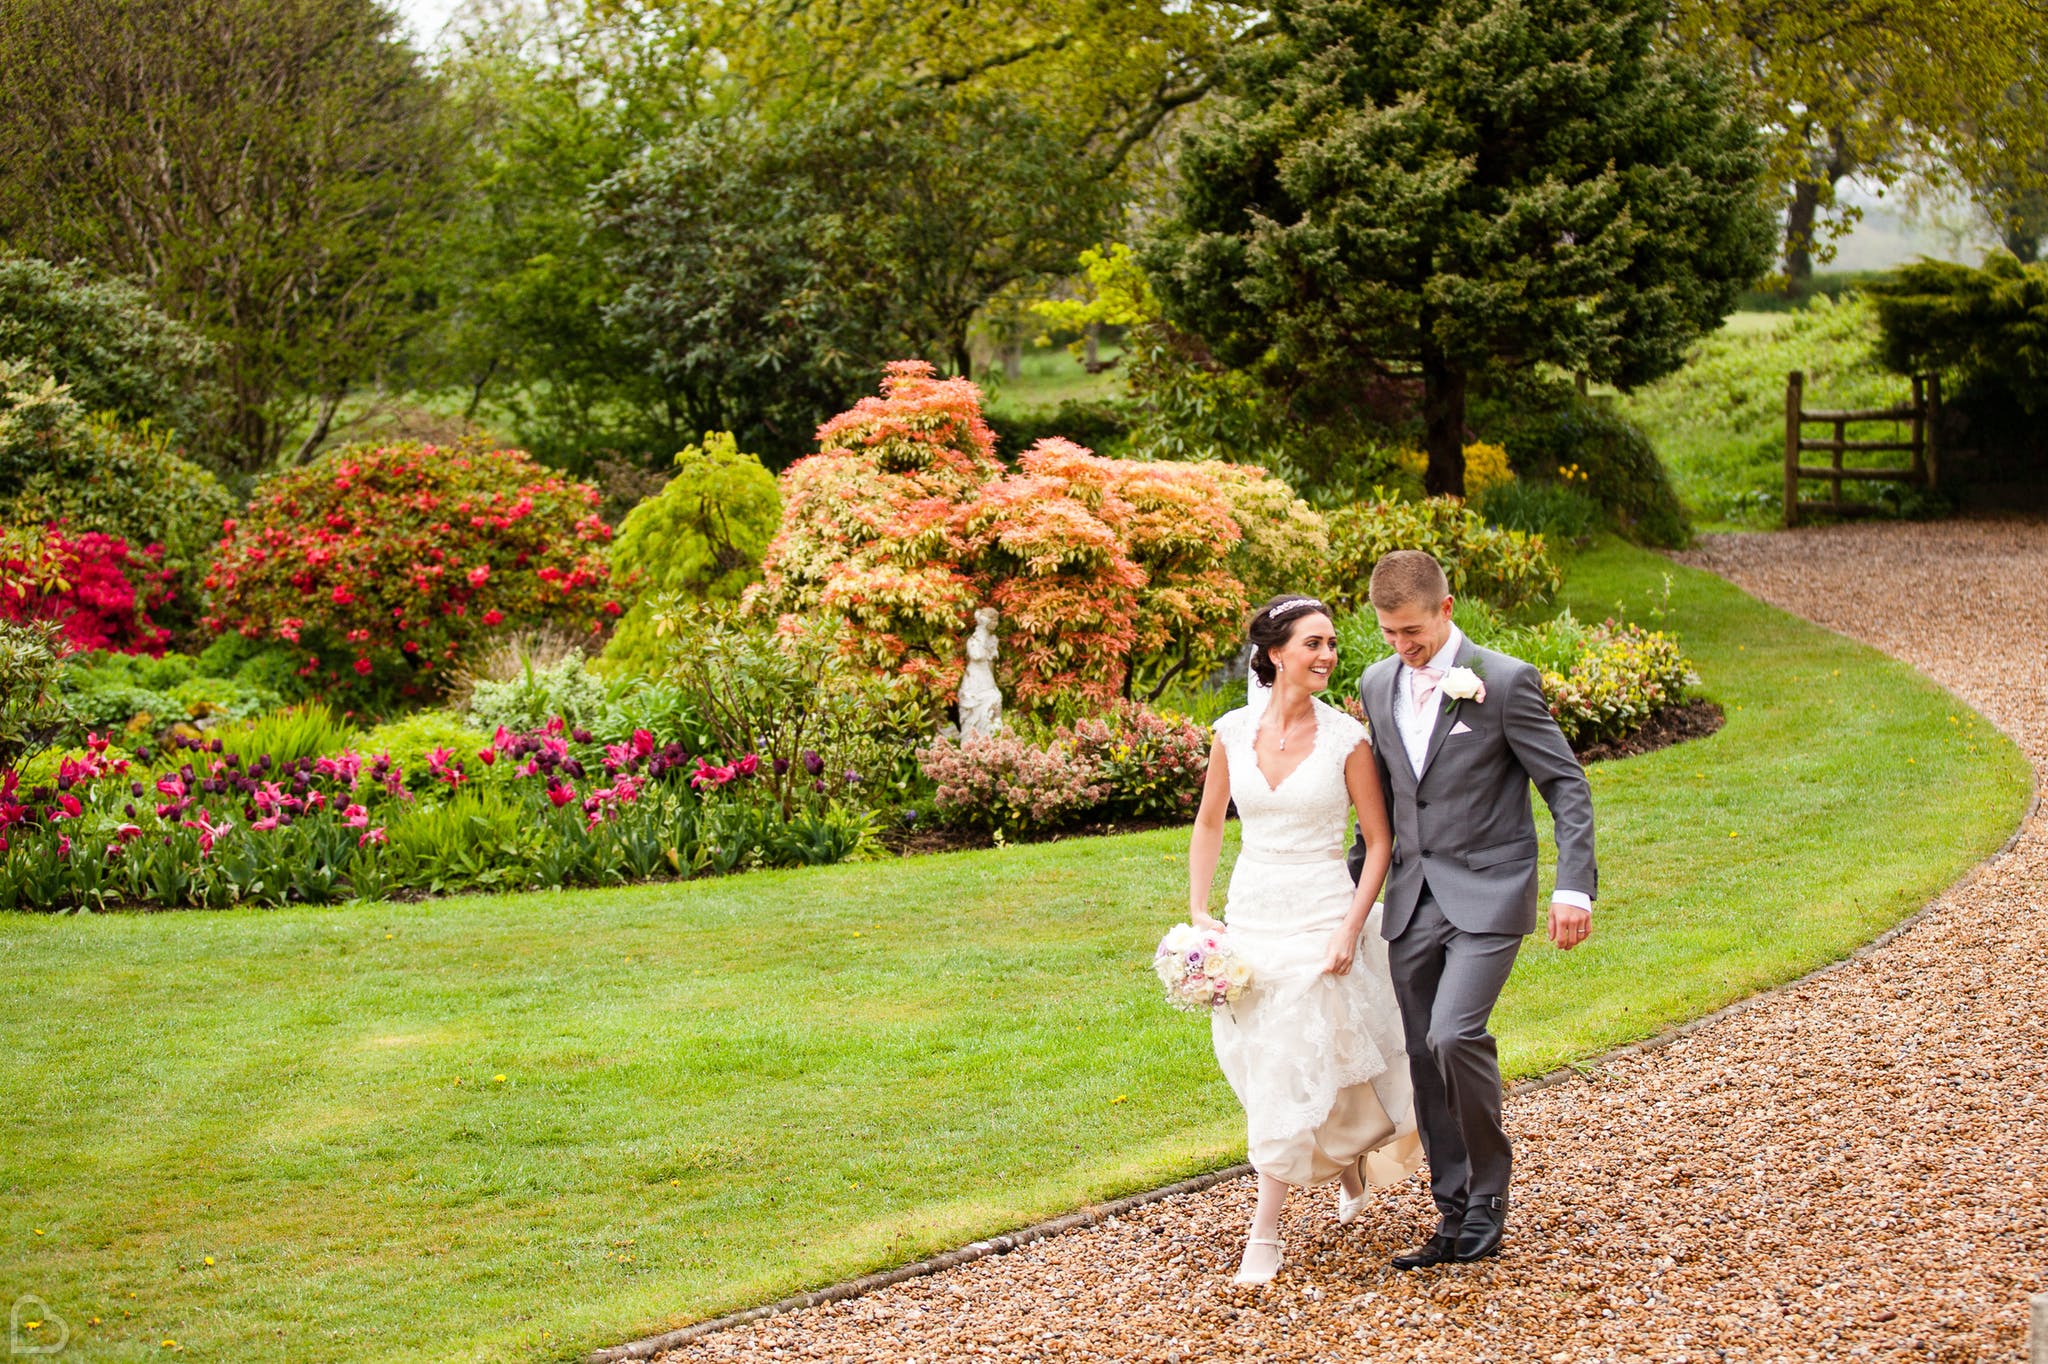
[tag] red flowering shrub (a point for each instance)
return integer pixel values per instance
(1102, 569)
(389, 560)
(89, 585)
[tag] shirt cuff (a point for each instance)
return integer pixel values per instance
(1577, 899)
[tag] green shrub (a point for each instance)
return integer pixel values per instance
(1557, 512)
(32, 711)
(130, 483)
(656, 705)
(567, 689)
(1550, 429)
(103, 339)
(1101, 424)
(111, 692)
(1986, 326)
(1625, 676)
(409, 742)
(701, 536)
(821, 729)
(1506, 568)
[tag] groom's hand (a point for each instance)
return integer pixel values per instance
(1569, 925)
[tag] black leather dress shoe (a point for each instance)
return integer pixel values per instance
(1438, 1249)
(1479, 1237)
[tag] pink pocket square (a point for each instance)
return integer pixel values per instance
(1461, 728)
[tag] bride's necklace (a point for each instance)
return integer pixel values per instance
(1290, 724)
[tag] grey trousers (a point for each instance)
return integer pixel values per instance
(1447, 981)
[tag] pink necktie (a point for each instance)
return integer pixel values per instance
(1424, 682)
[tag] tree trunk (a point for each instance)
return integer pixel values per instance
(963, 362)
(1799, 237)
(1443, 418)
(1830, 164)
(311, 445)
(1013, 359)
(1091, 342)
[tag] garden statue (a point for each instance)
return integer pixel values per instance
(981, 701)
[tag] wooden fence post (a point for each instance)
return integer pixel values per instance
(1795, 391)
(1933, 431)
(1920, 429)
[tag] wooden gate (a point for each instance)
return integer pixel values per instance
(1921, 413)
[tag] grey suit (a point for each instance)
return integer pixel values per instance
(1462, 893)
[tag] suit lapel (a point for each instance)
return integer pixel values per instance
(1389, 698)
(1446, 713)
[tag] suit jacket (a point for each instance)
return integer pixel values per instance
(1466, 826)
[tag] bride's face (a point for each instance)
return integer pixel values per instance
(1310, 652)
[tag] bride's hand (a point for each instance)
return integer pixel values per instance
(1338, 960)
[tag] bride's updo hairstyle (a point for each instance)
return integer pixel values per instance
(1272, 625)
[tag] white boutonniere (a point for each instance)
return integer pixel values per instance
(1464, 684)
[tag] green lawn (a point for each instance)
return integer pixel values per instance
(1049, 377)
(715, 1093)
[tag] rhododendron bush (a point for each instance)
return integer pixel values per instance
(91, 586)
(385, 562)
(1107, 573)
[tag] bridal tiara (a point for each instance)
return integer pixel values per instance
(1288, 608)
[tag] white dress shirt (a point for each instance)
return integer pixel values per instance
(1418, 723)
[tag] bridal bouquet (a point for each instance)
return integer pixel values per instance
(1199, 968)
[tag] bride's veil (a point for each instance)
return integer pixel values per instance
(1256, 695)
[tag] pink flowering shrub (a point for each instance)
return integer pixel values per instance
(387, 562)
(1005, 782)
(1127, 763)
(91, 586)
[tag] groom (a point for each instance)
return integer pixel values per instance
(1459, 732)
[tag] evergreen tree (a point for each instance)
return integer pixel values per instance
(1446, 187)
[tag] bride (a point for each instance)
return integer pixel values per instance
(1314, 1047)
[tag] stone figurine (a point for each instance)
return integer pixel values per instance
(981, 701)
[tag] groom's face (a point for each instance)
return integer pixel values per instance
(1416, 631)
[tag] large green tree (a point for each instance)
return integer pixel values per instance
(773, 269)
(562, 99)
(270, 170)
(1882, 90)
(1443, 187)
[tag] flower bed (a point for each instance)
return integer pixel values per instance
(195, 823)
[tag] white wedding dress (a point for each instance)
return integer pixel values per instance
(1316, 1059)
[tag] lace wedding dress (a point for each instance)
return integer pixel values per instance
(1316, 1059)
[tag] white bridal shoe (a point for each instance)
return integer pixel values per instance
(1254, 1270)
(1348, 1207)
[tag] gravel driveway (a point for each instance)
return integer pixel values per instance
(1856, 1168)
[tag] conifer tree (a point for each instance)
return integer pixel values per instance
(1446, 187)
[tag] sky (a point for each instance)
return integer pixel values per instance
(426, 17)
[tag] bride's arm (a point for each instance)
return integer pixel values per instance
(1206, 847)
(1362, 778)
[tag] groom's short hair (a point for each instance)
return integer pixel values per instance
(1407, 577)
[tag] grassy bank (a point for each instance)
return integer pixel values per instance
(716, 1092)
(1719, 423)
